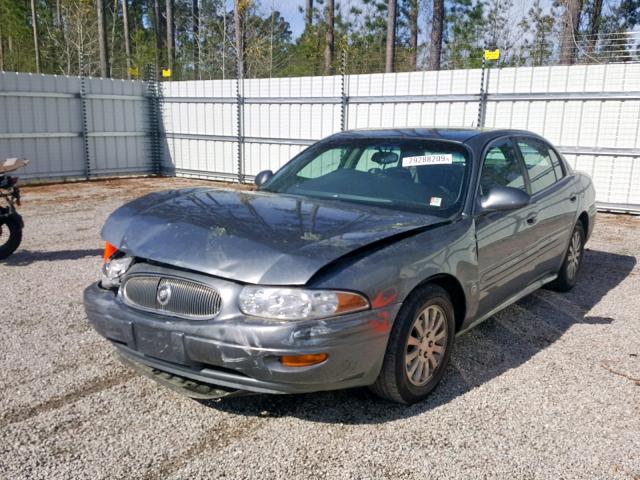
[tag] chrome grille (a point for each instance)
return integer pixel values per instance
(171, 296)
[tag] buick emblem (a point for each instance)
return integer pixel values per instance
(163, 294)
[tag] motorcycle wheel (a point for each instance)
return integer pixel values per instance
(10, 235)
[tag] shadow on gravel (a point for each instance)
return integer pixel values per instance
(26, 257)
(505, 341)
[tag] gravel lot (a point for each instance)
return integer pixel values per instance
(549, 388)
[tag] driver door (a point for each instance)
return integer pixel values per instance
(505, 239)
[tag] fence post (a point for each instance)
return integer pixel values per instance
(344, 110)
(153, 102)
(240, 119)
(85, 123)
(483, 96)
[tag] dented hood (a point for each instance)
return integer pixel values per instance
(251, 237)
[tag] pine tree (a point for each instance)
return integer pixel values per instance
(437, 30)
(538, 33)
(330, 36)
(391, 36)
(463, 41)
(570, 31)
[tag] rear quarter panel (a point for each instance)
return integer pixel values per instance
(586, 199)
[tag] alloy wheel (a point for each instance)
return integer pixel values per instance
(426, 345)
(574, 254)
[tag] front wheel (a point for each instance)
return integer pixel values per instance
(10, 235)
(568, 274)
(419, 347)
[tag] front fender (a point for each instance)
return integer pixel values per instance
(390, 274)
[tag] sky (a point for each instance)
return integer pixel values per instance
(290, 10)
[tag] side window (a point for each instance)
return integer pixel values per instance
(557, 164)
(540, 166)
(324, 163)
(501, 168)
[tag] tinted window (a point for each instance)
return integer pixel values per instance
(413, 175)
(540, 166)
(501, 168)
(369, 159)
(557, 164)
(325, 163)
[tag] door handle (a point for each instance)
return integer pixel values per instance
(573, 197)
(531, 219)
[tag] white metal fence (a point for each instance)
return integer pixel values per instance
(224, 129)
(591, 112)
(71, 127)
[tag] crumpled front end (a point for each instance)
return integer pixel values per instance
(216, 356)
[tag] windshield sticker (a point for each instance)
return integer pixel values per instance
(435, 201)
(435, 159)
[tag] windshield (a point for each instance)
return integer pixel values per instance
(426, 176)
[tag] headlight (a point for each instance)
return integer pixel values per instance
(113, 268)
(298, 303)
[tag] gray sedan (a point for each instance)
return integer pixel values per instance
(356, 264)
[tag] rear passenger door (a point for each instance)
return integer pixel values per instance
(505, 239)
(553, 198)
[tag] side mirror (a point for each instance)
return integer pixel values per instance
(263, 177)
(504, 198)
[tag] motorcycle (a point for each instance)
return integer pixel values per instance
(11, 223)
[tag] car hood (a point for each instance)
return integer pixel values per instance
(251, 237)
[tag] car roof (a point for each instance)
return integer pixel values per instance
(461, 135)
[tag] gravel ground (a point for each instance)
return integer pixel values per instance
(549, 388)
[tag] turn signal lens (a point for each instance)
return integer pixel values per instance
(303, 360)
(109, 250)
(350, 302)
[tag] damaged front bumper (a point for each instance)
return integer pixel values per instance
(213, 358)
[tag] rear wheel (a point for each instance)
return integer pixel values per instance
(419, 347)
(10, 235)
(568, 274)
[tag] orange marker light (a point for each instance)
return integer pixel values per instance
(350, 302)
(108, 251)
(303, 360)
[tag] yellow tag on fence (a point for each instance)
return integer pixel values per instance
(492, 54)
(166, 72)
(134, 72)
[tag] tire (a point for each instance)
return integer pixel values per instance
(568, 273)
(10, 235)
(394, 382)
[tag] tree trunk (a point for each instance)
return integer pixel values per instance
(34, 26)
(437, 24)
(158, 28)
(1, 48)
(58, 13)
(195, 31)
(329, 38)
(127, 44)
(102, 39)
(238, 20)
(413, 34)
(114, 21)
(391, 36)
(594, 26)
(570, 31)
(60, 25)
(170, 41)
(308, 14)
